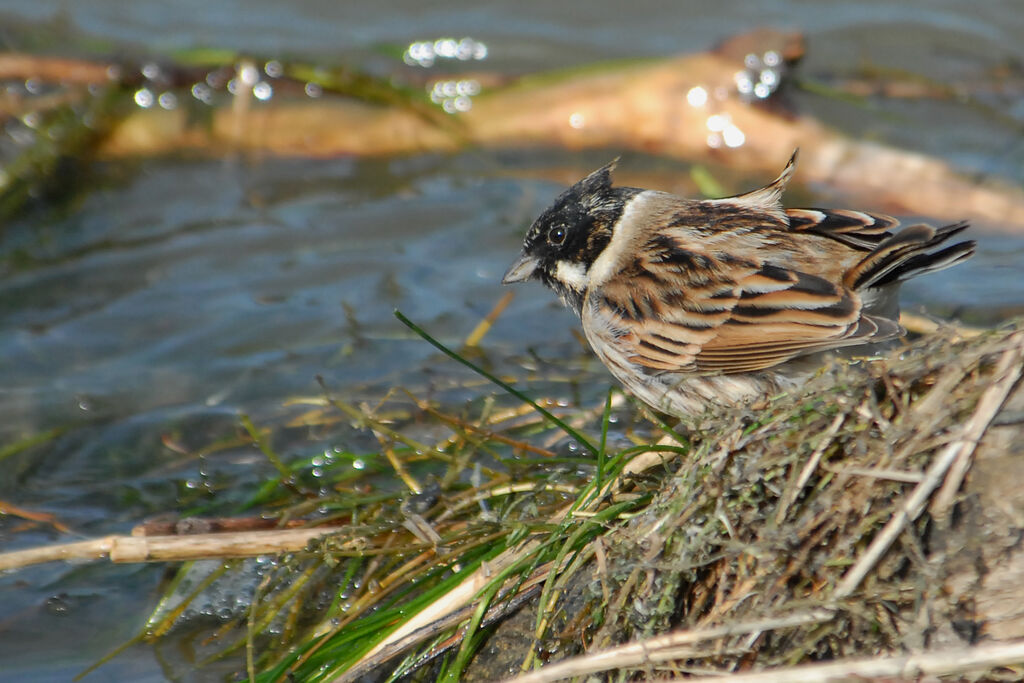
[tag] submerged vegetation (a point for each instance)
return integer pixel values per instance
(820, 528)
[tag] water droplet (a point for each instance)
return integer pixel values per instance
(576, 120)
(358, 464)
(58, 604)
(314, 90)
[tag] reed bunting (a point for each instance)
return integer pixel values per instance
(696, 304)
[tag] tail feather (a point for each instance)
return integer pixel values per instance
(909, 253)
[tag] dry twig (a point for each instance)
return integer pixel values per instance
(909, 667)
(663, 648)
(125, 549)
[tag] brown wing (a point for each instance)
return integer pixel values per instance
(678, 309)
(858, 229)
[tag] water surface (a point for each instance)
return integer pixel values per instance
(183, 292)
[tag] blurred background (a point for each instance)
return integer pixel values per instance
(153, 298)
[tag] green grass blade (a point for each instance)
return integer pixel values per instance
(583, 441)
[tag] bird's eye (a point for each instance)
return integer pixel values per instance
(556, 235)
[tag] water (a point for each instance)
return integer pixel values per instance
(182, 292)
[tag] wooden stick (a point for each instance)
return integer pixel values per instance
(125, 549)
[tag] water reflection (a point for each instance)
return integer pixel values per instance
(425, 52)
(453, 95)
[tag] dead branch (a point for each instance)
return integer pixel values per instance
(124, 549)
(642, 107)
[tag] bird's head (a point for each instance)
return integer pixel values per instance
(567, 238)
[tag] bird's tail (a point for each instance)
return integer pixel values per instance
(910, 252)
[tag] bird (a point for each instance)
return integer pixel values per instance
(697, 305)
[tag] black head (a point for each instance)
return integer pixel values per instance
(568, 237)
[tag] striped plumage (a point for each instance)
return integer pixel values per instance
(695, 303)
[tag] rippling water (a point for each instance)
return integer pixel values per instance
(180, 293)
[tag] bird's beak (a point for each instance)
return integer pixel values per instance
(521, 270)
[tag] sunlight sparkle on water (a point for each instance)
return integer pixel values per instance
(697, 96)
(202, 92)
(453, 95)
(167, 100)
(151, 70)
(262, 91)
(273, 68)
(425, 52)
(759, 79)
(144, 98)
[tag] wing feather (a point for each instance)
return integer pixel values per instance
(858, 229)
(681, 308)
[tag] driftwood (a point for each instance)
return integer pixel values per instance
(638, 106)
